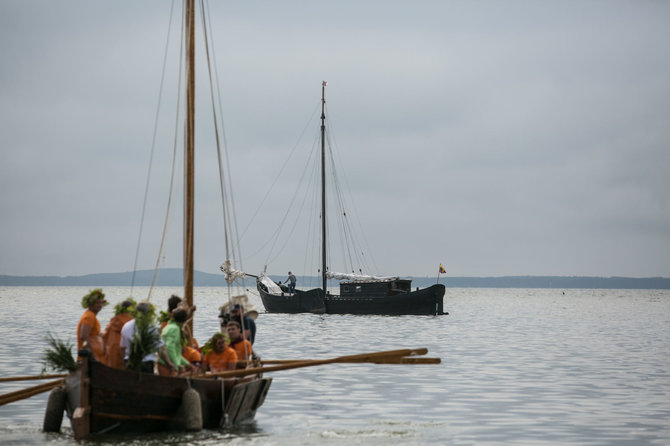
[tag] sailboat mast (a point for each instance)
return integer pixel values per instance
(189, 156)
(323, 186)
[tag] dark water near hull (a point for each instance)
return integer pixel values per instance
(519, 366)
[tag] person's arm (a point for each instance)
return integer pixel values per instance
(232, 363)
(85, 336)
(162, 353)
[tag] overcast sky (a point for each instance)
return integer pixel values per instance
(494, 137)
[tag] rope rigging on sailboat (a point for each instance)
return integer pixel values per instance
(151, 160)
(307, 196)
(231, 245)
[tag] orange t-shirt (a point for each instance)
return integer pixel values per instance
(95, 340)
(191, 354)
(240, 349)
(112, 338)
(218, 362)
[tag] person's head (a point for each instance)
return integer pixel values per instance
(125, 306)
(235, 310)
(143, 307)
(179, 315)
(234, 329)
(289, 273)
(221, 342)
(144, 313)
(94, 300)
(173, 301)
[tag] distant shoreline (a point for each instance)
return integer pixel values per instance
(174, 277)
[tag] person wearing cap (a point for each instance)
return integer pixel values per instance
(88, 329)
(246, 322)
(112, 334)
(291, 282)
(218, 355)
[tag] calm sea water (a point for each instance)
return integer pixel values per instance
(519, 366)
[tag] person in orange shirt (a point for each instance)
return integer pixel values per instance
(88, 329)
(241, 346)
(112, 334)
(219, 357)
(191, 354)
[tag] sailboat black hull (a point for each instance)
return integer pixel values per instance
(310, 301)
(426, 301)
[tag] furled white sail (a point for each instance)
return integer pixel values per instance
(231, 273)
(272, 287)
(357, 277)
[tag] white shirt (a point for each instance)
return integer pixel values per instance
(127, 333)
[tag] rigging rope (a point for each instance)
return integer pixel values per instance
(234, 234)
(153, 149)
(289, 210)
(281, 170)
(174, 165)
(352, 234)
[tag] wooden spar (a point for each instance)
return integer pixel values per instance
(365, 357)
(27, 393)
(189, 160)
(385, 360)
(31, 377)
(323, 187)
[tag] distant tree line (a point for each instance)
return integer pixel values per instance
(174, 277)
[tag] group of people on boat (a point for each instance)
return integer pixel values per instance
(132, 339)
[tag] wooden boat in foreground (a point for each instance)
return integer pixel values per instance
(100, 399)
(359, 294)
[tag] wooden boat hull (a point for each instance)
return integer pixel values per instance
(121, 401)
(426, 301)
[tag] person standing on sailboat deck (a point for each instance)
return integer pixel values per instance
(175, 364)
(88, 329)
(291, 279)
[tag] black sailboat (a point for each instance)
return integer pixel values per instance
(359, 294)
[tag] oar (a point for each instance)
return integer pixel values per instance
(27, 393)
(31, 377)
(365, 357)
(383, 360)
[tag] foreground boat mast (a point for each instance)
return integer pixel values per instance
(189, 157)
